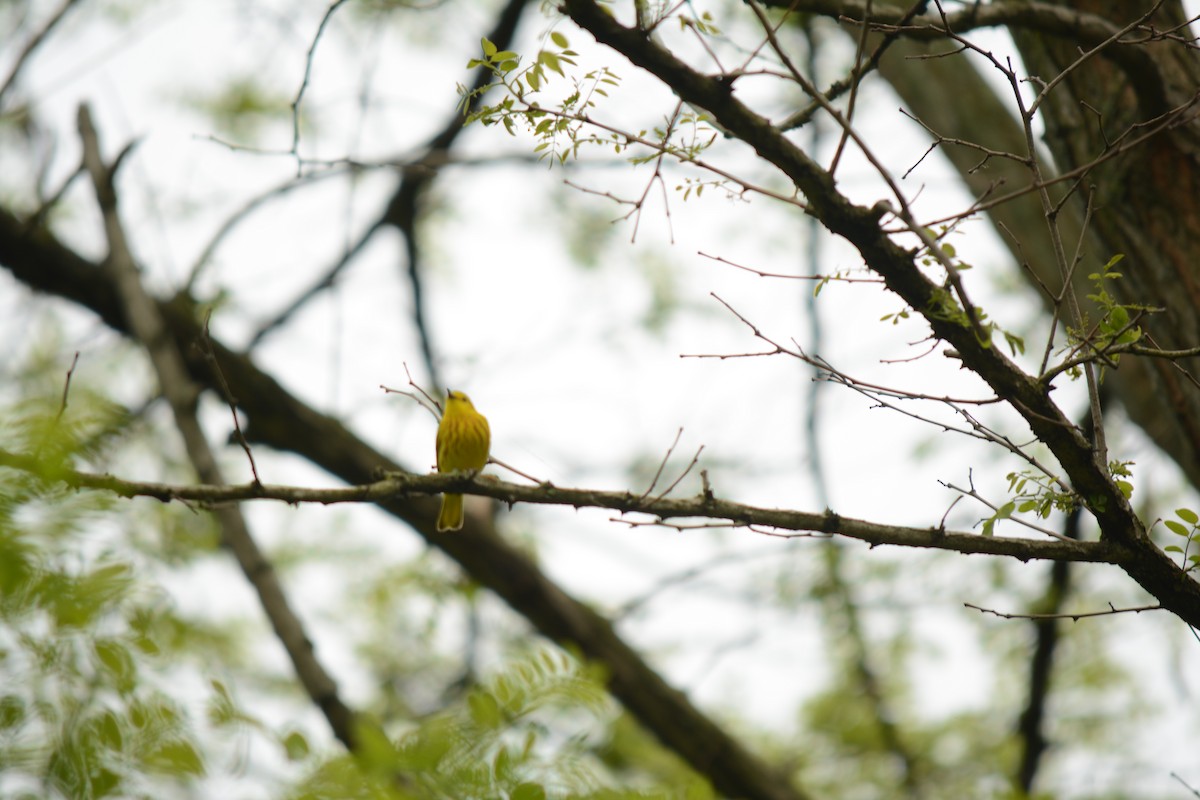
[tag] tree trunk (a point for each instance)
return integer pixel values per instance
(1145, 200)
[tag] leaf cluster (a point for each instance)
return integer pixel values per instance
(80, 713)
(562, 127)
(1117, 325)
(535, 729)
(1186, 526)
(1032, 492)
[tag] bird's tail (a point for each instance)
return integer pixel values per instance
(451, 518)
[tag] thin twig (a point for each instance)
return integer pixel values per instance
(855, 82)
(972, 492)
(62, 406)
(635, 604)
(308, 65)
(1075, 617)
(211, 355)
(1195, 792)
(691, 465)
(33, 44)
(662, 465)
(812, 277)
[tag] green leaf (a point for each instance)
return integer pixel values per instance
(559, 39)
(485, 711)
(174, 757)
(1129, 337)
(221, 708)
(114, 658)
(502, 766)
(295, 745)
(551, 61)
(528, 791)
(377, 753)
(12, 711)
(109, 732)
(1187, 515)
(1016, 344)
(489, 49)
(1177, 528)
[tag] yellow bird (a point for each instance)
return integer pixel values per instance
(463, 441)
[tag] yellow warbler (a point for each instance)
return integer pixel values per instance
(463, 440)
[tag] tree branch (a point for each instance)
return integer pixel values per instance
(1031, 724)
(400, 485)
(1086, 29)
(33, 44)
(146, 322)
(403, 210)
(844, 617)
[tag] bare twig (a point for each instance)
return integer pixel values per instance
(1086, 56)
(240, 216)
(1195, 792)
(1074, 617)
(691, 465)
(684, 576)
(844, 85)
(229, 399)
(846, 620)
(33, 44)
(66, 392)
(813, 277)
(308, 65)
(855, 81)
(662, 465)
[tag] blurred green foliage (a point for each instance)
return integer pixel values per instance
(83, 709)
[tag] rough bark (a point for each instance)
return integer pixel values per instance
(1147, 201)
